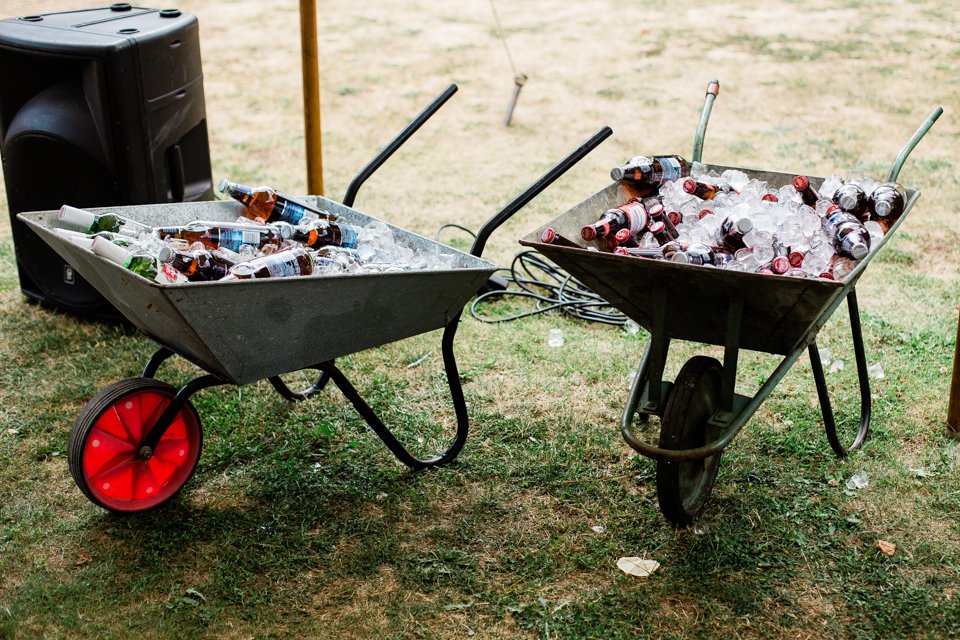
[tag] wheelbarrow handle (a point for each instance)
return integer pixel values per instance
(911, 143)
(713, 90)
(395, 144)
(533, 190)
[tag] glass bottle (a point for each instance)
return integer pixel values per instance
(263, 204)
(282, 264)
(851, 198)
(227, 235)
(647, 171)
(321, 233)
(630, 215)
(703, 190)
(140, 263)
(92, 223)
(887, 200)
(850, 238)
(550, 236)
(731, 231)
(807, 193)
(197, 266)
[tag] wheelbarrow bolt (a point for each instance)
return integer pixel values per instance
(145, 452)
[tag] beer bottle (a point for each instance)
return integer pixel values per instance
(661, 233)
(282, 264)
(703, 190)
(85, 240)
(672, 248)
(697, 253)
(550, 236)
(227, 235)
(265, 205)
(197, 266)
(321, 233)
(806, 191)
(731, 231)
(630, 215)
(624, 238)
(850, 238)
(658, 214)
(851, 198)
(644, 171)
(640, 252)
(91, 223)
(887, 200)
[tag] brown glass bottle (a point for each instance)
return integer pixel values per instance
(630, 215)
(703, 190)
(806, 191)
(658, 214)
(550, 236)
(887, 200)
(321, 233)
(852, 199)
(197, 266)
(731, 232)
(850, 238)
(644, 171)
(263, 204)
(227, 235)
(638, 252)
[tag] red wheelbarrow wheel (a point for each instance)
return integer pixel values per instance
(684, 487)
(104, 447)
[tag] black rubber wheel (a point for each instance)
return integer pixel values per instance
(684, 487)
(104, 445)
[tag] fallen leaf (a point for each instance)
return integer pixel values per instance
(639, 567)
(83, 559)
(886, 548)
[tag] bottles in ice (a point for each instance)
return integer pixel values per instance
(227, 235)
(644, 171)
(632, 215)
(197, 266)
(887, 200)
(140, 263)
(264, 204)
(550, 236)
(282, 264)
(321, 233)
(731, 231)
(91, 223)
(703, 190)
(849, 236)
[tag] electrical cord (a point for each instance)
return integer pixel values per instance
(553, 288)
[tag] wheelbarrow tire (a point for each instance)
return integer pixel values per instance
(683, 487)
(104, 445)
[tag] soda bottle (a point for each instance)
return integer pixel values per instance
(630, 215)
(806, 191)
(640, 252)
(227, 235)
(661, 233)
(887, 200)
(282, 264)
(550, 236)
(672, 248)
(850, 238)
(265, 205)
(92, 223)
(852, 199)
(658, 214)
(197, 266)
(644, 171)
(730, 233)
(701, 254)
(703, 190)
(138, 262)
(624, 238)
(321, 233)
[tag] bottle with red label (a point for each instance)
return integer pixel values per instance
(631, 216)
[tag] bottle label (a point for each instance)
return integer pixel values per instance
(166, 274)
(233, 239)
(293, 213)
(671, 169)
(281, 267)
(348, 236)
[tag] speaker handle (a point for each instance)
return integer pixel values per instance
(178, 181)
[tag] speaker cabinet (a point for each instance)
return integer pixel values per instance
(98, 108)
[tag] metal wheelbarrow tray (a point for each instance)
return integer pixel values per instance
(700, 412)
(135, 444)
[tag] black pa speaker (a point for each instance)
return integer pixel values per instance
(98, 108)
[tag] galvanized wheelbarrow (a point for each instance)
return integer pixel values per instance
(700, 412)
(137, 442)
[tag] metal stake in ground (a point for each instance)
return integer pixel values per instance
(519, 79)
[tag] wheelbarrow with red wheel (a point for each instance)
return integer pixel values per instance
(137, 442)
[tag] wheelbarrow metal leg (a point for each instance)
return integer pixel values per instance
(823, 393)
(657, 350)
(158, 358)
(390, 440)
(731, 354)
(149, 443)
(294, 396)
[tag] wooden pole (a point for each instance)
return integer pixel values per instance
(310, 61)
(953, 410)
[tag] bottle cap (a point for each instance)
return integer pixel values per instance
(800, 183)
(770, 197)
(224, 184)
(882, 208)
(848, 201)
(165, 254)
(622, 235)
(548, 235)
(744, 225)
(795, 258)
(655, 211)
(76, 217)
(679, 256)
(106, 249)
(621, 251)
(689, 185)
(704, 213)
(780, 265)
(588, 232)
(826, 275)
(674, 217)
(859, 250)
(617, 173)
(656, 227)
